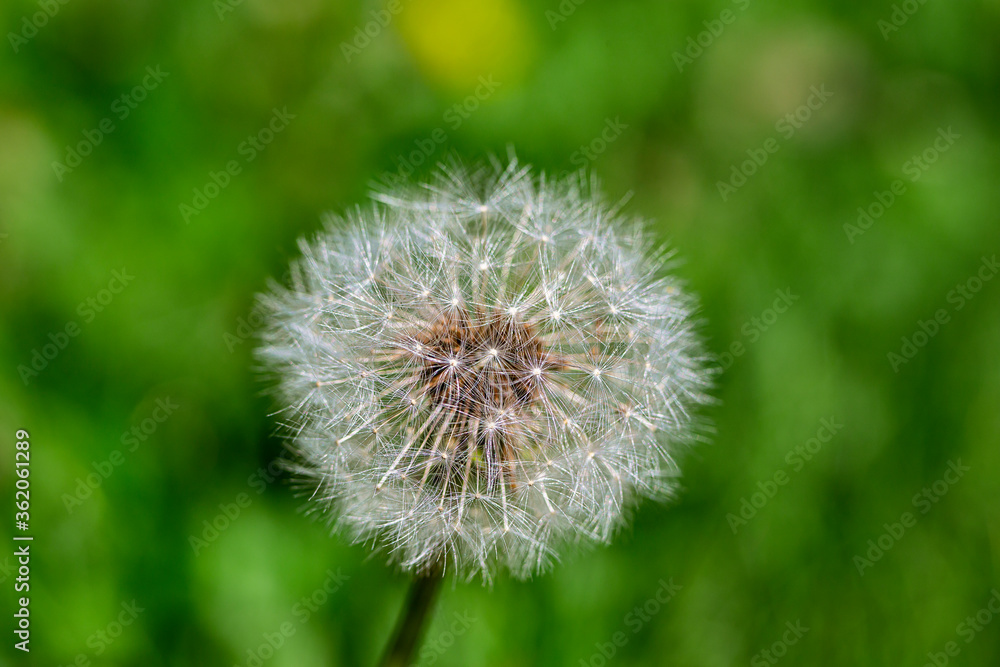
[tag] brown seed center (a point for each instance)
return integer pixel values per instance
(482, 366)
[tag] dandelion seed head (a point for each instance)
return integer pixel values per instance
(482, 372)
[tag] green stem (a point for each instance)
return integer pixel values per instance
(412, 619)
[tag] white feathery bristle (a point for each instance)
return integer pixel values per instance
(481, 371)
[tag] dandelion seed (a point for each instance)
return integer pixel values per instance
(480, 420)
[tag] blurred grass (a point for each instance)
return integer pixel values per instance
(176, 330)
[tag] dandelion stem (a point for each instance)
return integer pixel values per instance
(410, 627)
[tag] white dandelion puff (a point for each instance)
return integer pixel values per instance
(484, 370)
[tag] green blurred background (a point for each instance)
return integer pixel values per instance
(621, 88)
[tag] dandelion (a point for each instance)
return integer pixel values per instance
(485, 370)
